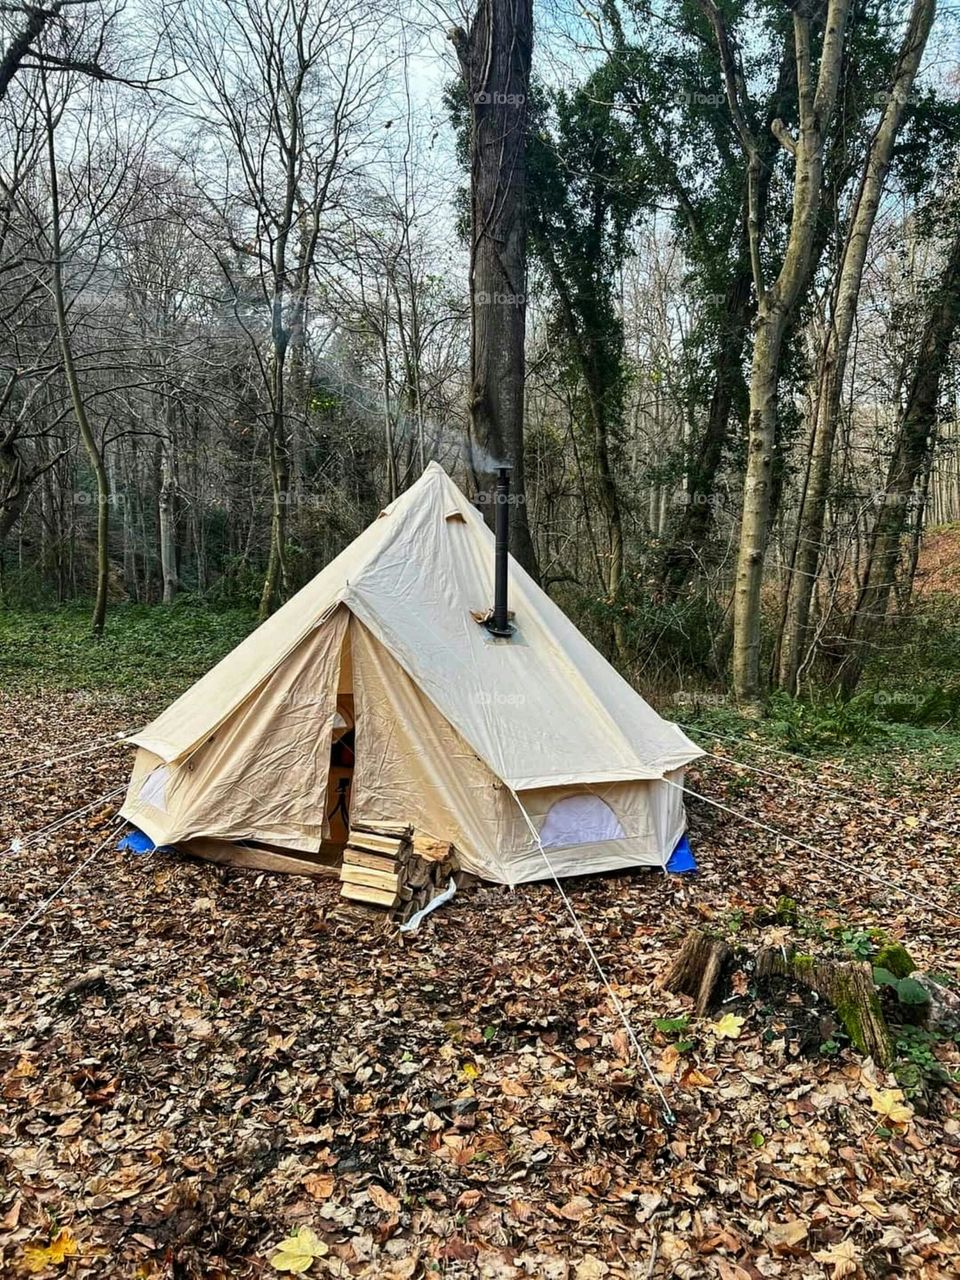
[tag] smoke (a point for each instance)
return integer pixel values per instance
(443, 442)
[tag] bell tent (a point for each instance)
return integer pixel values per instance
(377, 694)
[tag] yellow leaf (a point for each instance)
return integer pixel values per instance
(728, 1028)
(470, 1071)
(63, 1247)
(296, 1253)
(889, 1103)
(37, 1258)
(911, 821)
(842, 1258)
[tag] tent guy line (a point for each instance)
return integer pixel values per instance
(667, 1112)
(97, 744)
(20, 842)
(812, 848)
(41, 910)
(847, 796)
(118, 821)
(792, 755)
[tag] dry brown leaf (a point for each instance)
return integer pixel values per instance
(384, 1201)
(319, 1185)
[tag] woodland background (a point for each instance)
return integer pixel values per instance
(692, 269)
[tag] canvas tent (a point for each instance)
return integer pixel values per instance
(461, 734)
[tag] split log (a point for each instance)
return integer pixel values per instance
(700, 970)
(848, 986)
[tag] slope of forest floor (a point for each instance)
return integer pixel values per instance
(195, 1064)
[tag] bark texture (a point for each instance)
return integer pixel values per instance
(495, 66)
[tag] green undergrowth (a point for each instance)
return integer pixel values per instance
(856, 734)
(147, 651)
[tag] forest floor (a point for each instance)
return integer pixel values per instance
(194, 1064)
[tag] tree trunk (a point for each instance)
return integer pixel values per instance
(914, 436)
(495, 66)
(167, 507)
(700, 971)
(847, 984)
(696, 520)
(14, 486)
(816, 95)
(831, 365)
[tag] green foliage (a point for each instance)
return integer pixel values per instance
(858, 942)
(671, 1025)
(810, 727)
(895, 957)
(918, 1068)
(907, 990)
(673, 643)
(147, 649)
(673, 1030)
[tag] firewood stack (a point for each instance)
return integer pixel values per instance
(390, 873)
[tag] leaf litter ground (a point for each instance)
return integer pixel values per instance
(201, 1077)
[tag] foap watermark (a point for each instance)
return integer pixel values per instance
(699, 98)
(883, 97)
(883, 499)
(685, 698)
(495, 498)
(485, 299)
(898, 698)
(497, 698)
(81, 498)
(293, 698)
(487, 99)
(713, 501)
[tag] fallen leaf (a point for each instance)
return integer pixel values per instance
(786, 1235)
(512, 1089)
(384, 1201)
(576, 1208)
(37, 1258)
(297, 1253)
(319, 1185)
(841, 1257)
(591, 1268)
(889, 1103)
(727, 1028)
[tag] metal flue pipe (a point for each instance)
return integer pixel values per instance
(499, 622)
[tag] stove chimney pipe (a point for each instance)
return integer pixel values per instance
(499, 623)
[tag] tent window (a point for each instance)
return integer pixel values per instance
(153, 788)
(579, 819)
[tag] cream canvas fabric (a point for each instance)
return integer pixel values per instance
(455, 728)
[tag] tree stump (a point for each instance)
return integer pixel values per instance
(848, 986)
(703, 967)
(700, 970)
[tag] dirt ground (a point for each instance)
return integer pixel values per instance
(195, 1065)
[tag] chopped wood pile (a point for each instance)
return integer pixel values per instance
(389, 873)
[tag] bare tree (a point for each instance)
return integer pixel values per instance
(289, 86)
